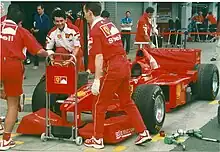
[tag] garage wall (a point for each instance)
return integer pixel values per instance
(111, 8)
(136, 10)
(118, 9)
(5, 8)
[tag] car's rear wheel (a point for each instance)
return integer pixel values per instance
(150, 102)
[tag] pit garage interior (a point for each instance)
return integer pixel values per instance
(201, 114)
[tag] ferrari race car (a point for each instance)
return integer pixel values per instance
(180, 78)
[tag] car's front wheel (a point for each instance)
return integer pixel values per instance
(150, 102)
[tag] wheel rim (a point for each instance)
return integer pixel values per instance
(159, 108)
(215, 83)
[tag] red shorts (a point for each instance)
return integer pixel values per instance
(12, 76)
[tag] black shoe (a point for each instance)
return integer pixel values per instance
(213, 59)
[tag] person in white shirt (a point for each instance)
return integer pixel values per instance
(65, 37)
(126, 26)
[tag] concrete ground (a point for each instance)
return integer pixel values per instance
(194, 115)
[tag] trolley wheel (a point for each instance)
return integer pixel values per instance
(43, 137)
(79, 140)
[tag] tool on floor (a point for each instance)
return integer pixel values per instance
(198, 134)
(173, 140)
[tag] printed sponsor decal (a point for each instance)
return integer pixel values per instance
(69, 35)
(59, 36)
(123, 133)
(90, 41)
(60, 79)
(132, 89)
(109, 30)
(9, 29)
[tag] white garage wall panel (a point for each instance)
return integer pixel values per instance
(5, 8)
(118, 9)
(136, 10)
(111, 8)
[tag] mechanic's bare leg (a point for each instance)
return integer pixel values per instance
(2, 96)
(10, 120)
(128, 105)
(1, 127)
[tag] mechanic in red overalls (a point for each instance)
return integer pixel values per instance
(13, 39)
(65, 37)
(145, 28)
(111, 61)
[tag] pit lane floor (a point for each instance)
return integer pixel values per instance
(194, 115)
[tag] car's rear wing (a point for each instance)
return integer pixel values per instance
(176, 59)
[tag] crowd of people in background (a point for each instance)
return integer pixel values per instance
(201, 22)
(41, 25)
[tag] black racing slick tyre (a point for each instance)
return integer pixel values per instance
(207, 85)
(39, 94)
(39, 98)
(150, 102)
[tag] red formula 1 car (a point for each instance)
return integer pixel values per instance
(179, 79)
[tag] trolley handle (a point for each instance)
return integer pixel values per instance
(146, 43)
(142, 43)
(50, 58)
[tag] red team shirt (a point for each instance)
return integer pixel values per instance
(143, 28)
(104, 38)
(3, 18)
(14, 39)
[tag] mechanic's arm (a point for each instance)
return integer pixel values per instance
(122, 24)
(76, 50)
(76, 41)
(130, 24)
(43, 53)
(146, 36)
(147, 39)
(98, 66)
(50, 40)
(33, 46)
(74, 53)
(143, 30)
(96, 52)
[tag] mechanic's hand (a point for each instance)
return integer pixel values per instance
(95, 87)
(152, 45)
(67, 62)
(88, 71)
(154, 65)
(50, 52)
(35, 31)
(155, 31)
(32, 30)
